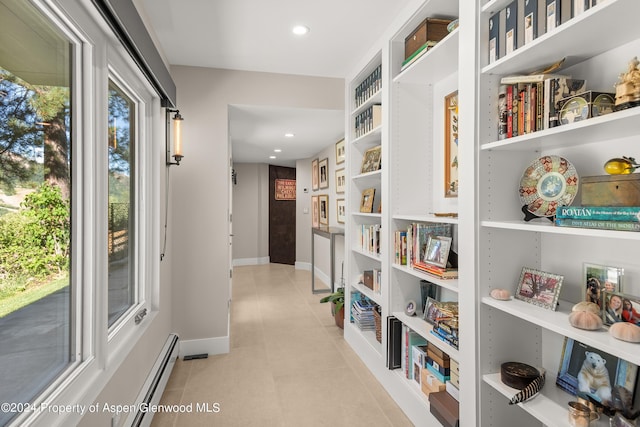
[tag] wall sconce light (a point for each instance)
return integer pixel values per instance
(177, 137)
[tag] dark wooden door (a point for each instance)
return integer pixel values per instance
(282, 219)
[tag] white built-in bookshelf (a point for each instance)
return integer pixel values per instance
(491, 238)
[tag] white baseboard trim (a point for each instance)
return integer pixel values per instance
(218, 345)
(303, 266)
(321, 279)
(251, 261)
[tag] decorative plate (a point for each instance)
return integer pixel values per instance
(547, 183)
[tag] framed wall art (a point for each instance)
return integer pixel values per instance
(340, 152)
(340, 181)
(451, 145)
(323, 166)
(341, 211)
(314, 175)
(315, 212)
(539, 288)
(323, 209)
(366, 203)
(371, 160)
(598, 279)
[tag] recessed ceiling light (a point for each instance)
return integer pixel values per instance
(300, 30)
(277, 150)
(288, 135)
(272, 157)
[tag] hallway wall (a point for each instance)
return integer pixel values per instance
(200, 188)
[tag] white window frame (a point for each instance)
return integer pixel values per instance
(99, 351)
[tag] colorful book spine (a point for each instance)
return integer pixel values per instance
(601, 213)
(598, 224)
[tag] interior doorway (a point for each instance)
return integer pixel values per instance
(282, 217)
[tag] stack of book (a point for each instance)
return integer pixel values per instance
(620, 218)
(368, 120)
(369, 86)
(410, 247)
(369, 238)
(362, 313)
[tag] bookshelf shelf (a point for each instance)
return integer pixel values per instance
(426, 218)
(548, 227)
(450, 284)
(575, 39)
(376, 98)
(367, 254)
(375, 297)
(420, 326)
(439, 62)
(370, 138)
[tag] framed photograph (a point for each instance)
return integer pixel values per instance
(451, 145)
(539, 288)
(371, 160)
(436, 311)
(315, 212)
(340, 152)
(587, 370)
(619, 307)
(342, 211)
(315, 176)
(437, 251)
(366, 203)
(341, 181)
(323, 166)
(323, 209)
(598, 279)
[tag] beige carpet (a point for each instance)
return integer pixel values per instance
(288, 365)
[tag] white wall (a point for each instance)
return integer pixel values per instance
(201, 250)
(251, 214)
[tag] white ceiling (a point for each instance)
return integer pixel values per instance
(256, 35)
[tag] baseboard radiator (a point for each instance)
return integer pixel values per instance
(155, 383)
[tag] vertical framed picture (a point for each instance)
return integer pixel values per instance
(315, 212)
(437, 251)
(366, 203)
(340, 181)
(323, 209)
(341, 211)
(315, 176)
(587, 370)
(539, 288)
(451, 145)
(599, 279)
(323, 166)
(340, 152)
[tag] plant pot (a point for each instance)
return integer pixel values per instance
(338, 316)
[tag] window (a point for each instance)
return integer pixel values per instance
(121, 235)
(36, 322)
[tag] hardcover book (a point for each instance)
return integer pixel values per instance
(602, 213)
(530, 20)
(511, 27)
(553, 14)
(494, 38)
(598, 224)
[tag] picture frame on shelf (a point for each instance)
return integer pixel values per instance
(341, 208)
(371, 160)
(341, 181)
(315, 212)
(366, 202)
(584, 369)
(315, 176)
(340, 152)
(436, 311)
(451, 145)
(539, 288)
(598, 279)
(437, 251)
(323, 209)
(620, 307)
(323, 170)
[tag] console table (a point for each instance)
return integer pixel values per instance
(329, 233)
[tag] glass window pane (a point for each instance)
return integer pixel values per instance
(35, 203)
(121, 202)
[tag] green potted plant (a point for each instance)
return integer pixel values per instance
(337, 306)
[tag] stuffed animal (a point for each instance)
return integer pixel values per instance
(594, 377)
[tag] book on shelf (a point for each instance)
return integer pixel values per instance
(494, 38)
(369, 86)
(440, 377)
(598, 224)
(600, 213)
(443, 273)
(529, 78)
(394, 342)
(411, 339)
(417, 54)
(453, 342)
(511, 27)
(530, 20)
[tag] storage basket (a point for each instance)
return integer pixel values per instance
(378, 321)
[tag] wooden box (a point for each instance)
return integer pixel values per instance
(445, 408)
(610, 190)
(367, 278)
(585, 105)
(431, 29)
(429, 383)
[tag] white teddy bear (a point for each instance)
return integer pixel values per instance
(594, 377)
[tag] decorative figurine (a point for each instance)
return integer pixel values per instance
(628, 87)
(621, 166)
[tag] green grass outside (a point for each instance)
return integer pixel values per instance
(23, 296)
